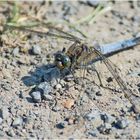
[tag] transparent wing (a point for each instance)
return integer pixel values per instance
(74, 49)
(127, 92)
(53, 31)
(92, 54)
(65, 34)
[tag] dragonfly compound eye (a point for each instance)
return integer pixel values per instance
(66, 61)
(62, 61)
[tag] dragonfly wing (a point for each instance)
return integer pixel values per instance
(59, 31)
(127, 92)
(112, 69)
(72, 48)
(55, 32)
(87, 56)
(77, 50)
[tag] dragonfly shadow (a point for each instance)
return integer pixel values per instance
(48, 73)
(45, 73)
(43, 79)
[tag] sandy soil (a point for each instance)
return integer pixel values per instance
(84, 110)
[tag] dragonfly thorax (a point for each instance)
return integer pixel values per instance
(62, 60)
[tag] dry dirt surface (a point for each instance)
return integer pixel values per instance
(37, 102)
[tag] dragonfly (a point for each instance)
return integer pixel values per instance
(80, 53)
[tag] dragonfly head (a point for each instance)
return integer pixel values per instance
(62, 60)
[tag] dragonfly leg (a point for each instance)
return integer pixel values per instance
(101, 83)
(83, 72)
(71, 69)
(75, 79)
(98, 75)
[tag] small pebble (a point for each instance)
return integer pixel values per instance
(4, 113)
(1, 120)
(23, 60)
(105, 128)
(47, 97)
(71, 121)
(58, 86)
(45, 88)
(11, 133)
(56, 108)
(138, 117)
(6, 73)
(138, 85)
(99, 93)
(17, 122)
(68, 78)
(138, 3)
(6, 86)
(68, 103)
(94, 133)
(9, 121)
(93, 3)
(2, 133)
(138, 34)
(121, 124)
(71, 139)
(16, 51)
(62, 125)
(36, 96)
(109, 79)
(107, 118)
(36, 50)
(14, 63)
(13, 110)
(94, 117)
(21, 95)
(136, 18)
(93, 92)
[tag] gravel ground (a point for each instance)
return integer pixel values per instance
(36, 103)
